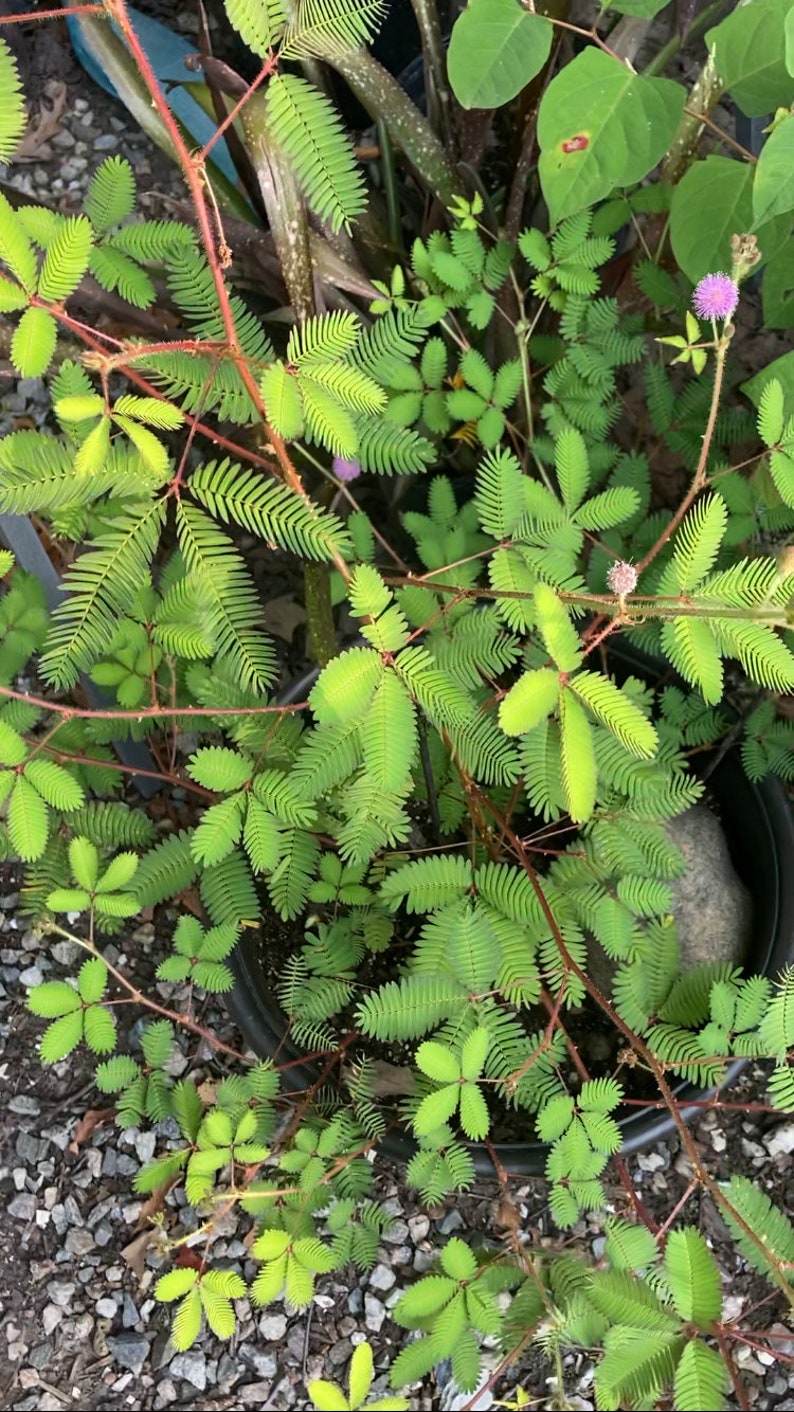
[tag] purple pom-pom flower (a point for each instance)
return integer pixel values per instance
(715, 297)
(621, 578)
(346, 470)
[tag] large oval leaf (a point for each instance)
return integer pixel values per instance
(497, 47)
(600, 126)
(724, 188)
(749, 50)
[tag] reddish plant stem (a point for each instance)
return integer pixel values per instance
(149, 712)
(677, 1209)
(149, 388)
(700, 478)
(30, 15)
(195, 176)
(69, 757)
(727, 1358)
(269, 67)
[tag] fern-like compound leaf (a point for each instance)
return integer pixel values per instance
(306, 125)
(12, 108)
(273, 511)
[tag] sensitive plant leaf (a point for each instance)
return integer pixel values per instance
(578, 758)
(701, 1379)
(559, 635)
(695, 1281)
(533, 697)
(33, 342)
(438, 1062)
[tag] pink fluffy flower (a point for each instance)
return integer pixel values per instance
(622, 578)
(715, 297)
(346, 470)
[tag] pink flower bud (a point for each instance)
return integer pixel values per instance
(622, 578)
(346, 470)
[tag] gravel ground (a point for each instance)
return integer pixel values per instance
(79, 1326)
(78, 1322)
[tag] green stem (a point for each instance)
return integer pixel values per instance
(705, 95)
(383, 98)
(317, 591)
(669, 50)
(426, 12)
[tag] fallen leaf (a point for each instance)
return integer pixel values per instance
(208, 1092)
(134, 1254)
(48, 124)
(153, 1204)
(90, 1121)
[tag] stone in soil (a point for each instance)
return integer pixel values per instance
(192, 1366)
(130, 1350)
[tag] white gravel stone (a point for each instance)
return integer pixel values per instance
(192, 1366)
(273, 1327)
(382, 1278)
(374, 1313)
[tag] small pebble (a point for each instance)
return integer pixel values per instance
(192, 1366)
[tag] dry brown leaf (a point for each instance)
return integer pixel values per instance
(90, 1121)
(208, 1092)
(153, 1204)
(134, 1254)
(48, 124)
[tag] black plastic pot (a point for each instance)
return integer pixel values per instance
(759, 828)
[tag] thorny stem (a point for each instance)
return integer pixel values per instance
(28, 16)
(137, 997)
(646, 1054)
(148, 712)
(217, 253)
(700, 477)
(267, 69)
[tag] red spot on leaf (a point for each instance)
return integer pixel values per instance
(576, 144)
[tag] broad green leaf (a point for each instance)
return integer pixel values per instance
(750, 47)
(723, 187)
(497, 48)
(781, 369)
(773, 183)
(777, 288)
(578, 758)
(643, 9)
(600, 125)
(533, 697)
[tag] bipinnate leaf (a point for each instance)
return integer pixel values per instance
(529, 701)
(558, 632)
(694, 1277)
(701, 1379)
(617, 712)
(578, 758)
(438, 1062)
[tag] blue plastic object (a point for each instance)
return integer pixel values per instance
(166, 52)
